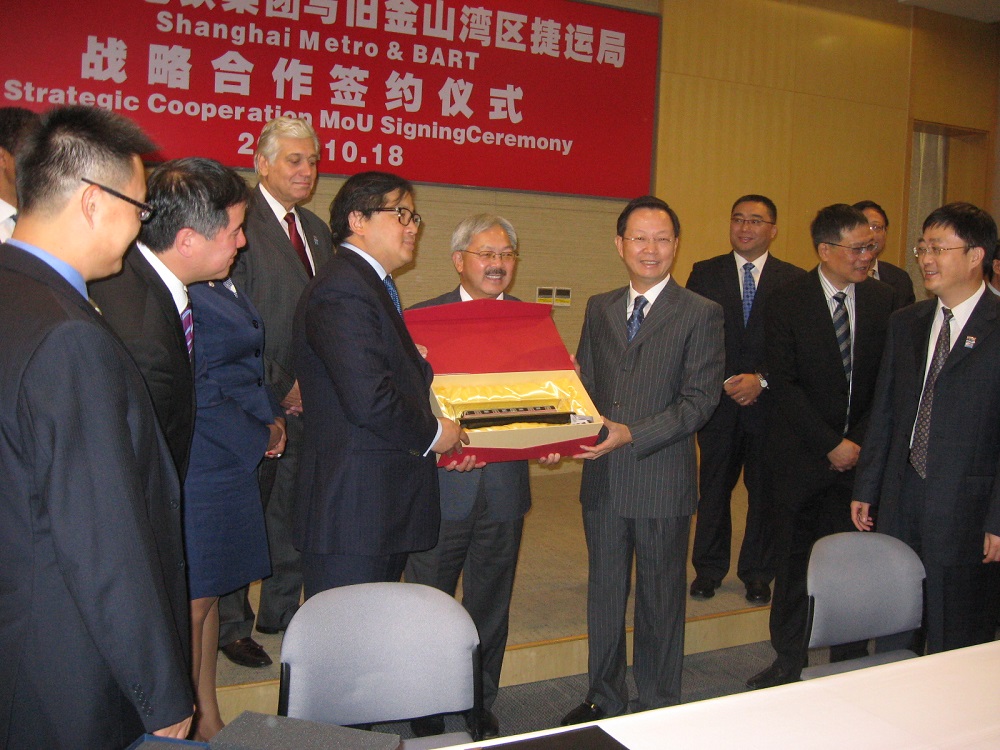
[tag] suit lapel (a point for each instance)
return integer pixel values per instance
(820, 310)
(615, 315)
(920, 331)
(982, 323)
(731, 279)
(164, 300)
(658, 314)
(277, 240)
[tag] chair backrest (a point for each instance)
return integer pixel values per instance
(378, 652)
(862, 585)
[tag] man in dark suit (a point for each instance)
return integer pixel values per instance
(894, 276)
(147, 303)
(367, 491)
(651, 356)
(825, 332)
(93, 593)
(930, 464)
(733, 440)
(286, 245)
(482, 511)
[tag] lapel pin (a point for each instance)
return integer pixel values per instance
(970, 342)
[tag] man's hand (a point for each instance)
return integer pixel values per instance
(743, 389)
(550, 460)
(292, 402)
(618, 435)
(861, 516)
(991, 548)
(422, 350)
(466, 464)
(451, 439)
(845, 456)
(277, 439)
(178, 731)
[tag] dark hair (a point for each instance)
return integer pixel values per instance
(71, 143)
(193, 192)
(16, 123)
(831, 223)
(972, 224)
(755, 198)
(364, 192)
(647, 201)
(862, 205)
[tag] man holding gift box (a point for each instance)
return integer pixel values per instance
(651, 356)
(482, 511)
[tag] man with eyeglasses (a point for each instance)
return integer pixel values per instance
(482, 511)
(733, 440)
(880, 269)
(93, 592)
(286, 245)
(930, 464)
(825, 333)
(367, 491)
(651, 356)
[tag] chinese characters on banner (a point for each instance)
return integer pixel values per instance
(541, 95)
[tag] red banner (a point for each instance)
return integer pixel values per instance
(547, 95)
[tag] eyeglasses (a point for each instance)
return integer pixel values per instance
(659, 242)
(490, 256)
(146, 211)
(921, 250)
(738, 221)
(856, 250)
(404, 215)
(877, 228)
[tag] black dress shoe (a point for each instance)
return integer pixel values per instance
(247, 653)
(488, 724)
(776, 674)
(704, 587)
(758, 593)
(583, 713)
(427, 726)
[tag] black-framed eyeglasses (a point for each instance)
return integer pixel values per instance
(404, 215)
(739, 221)
(659, 242)
(856, 250)
(146, 211)
(921, 250)
(491, 256)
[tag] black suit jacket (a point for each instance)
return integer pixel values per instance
(963, 450)
(719, 280)
(92, 584)
(364, 486)
(810, 392)
(269, 271)
(138, 306)
(508, 493)
(899, 280)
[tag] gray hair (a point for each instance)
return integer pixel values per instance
(278, 128)
(473, 225)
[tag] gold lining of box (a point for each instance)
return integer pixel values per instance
(561, 393)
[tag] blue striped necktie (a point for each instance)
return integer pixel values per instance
(749, 290)
(636, 318)
(842, 327)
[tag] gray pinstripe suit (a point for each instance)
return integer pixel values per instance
(664, 385)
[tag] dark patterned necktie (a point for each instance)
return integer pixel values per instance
(297, 243)
(390, 286)
(922, 427)
(636, 318)
(842, 327)
(187, 323)
(749, 290)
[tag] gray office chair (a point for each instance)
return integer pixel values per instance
(861, 585)
(378, 652)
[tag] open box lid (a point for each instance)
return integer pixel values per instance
(464, 337)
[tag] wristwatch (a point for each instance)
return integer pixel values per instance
(762, 379)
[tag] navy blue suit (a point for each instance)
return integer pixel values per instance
(365, 488)
(225, 538)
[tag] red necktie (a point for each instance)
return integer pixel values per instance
(297, 243)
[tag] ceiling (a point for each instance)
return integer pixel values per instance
(987, 11)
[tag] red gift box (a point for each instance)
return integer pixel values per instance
(492, 342)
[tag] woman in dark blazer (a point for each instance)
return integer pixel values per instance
(238, 422)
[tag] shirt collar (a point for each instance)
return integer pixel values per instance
(829, 289)
(758, 264)
(369, 259)
(174, 285)
(650, 294)
(61, 267)
(466, 297)
(279, 210)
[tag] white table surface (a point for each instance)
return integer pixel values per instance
(949, 700)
